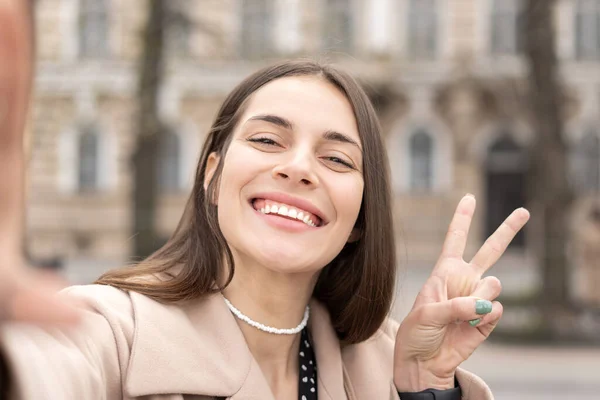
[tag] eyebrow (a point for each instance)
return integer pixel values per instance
(273, 119)
(330, 135)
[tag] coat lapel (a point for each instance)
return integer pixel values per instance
(327, 351)
(198, 348)
(255, 386)
(192, 349)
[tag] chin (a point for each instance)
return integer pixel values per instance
(284, 259)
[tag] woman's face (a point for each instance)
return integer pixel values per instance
(292, 183)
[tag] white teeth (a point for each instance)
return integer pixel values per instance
(288, 212)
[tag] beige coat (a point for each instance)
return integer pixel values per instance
(130, 346)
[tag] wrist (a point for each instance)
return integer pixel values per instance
(414, 377)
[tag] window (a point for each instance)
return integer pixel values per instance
(587, 30)
(88, 159)
(169, 171)
(93, 28)
(422, 29)
(506, 21)
(421, 161)
(256, 34)
(505, 183)
(585, 163)
(337, 25)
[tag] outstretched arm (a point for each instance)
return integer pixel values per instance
(23, 297)
(16, 48)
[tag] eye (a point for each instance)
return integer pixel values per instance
(340, 161)
(263, 141)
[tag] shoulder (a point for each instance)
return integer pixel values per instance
(96, 293)
(110, 300)
(103, 308)
(100, 298)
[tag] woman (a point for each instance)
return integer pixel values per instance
(278, 280)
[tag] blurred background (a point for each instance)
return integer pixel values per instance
(499, 98)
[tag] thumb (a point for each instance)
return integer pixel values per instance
(458, 309)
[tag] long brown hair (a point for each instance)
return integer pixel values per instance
(356, 287)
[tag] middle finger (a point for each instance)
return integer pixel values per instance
(496, 245)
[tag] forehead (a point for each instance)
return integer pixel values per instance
(308, 102)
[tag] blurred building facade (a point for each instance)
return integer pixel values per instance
(447, 77)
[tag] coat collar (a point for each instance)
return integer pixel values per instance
(198, 348)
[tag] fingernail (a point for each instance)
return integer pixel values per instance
(483, 307)
(474, 322)
(470, 195)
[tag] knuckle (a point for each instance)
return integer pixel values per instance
(499, 285)
(457, 232)
(494, 284)
(456, 306)
(508, 226)
(495, 245)
(499, 308)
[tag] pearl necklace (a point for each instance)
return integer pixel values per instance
(269, 329)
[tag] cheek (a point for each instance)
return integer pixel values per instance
(348, 200)
(236, 172)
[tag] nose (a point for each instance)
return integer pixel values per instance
(298, 169)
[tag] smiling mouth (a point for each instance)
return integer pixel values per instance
(286, 211)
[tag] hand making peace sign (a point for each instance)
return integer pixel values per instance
(437, 335)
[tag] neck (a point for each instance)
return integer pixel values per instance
(277, 300)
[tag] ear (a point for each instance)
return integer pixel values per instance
(354, 235)
(211, 168)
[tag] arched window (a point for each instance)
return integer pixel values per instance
(256, 33)
(93, 28)
(88, 152)
(423, 28)
(586, 163)
(421, 161)
(587, 30)
(169, 165)
(338, 23)
(505, 181)
(506, 20)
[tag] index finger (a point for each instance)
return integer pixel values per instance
(456, 238)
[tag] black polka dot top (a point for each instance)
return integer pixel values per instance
(307, 387)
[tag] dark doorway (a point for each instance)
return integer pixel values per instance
(506, 170)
